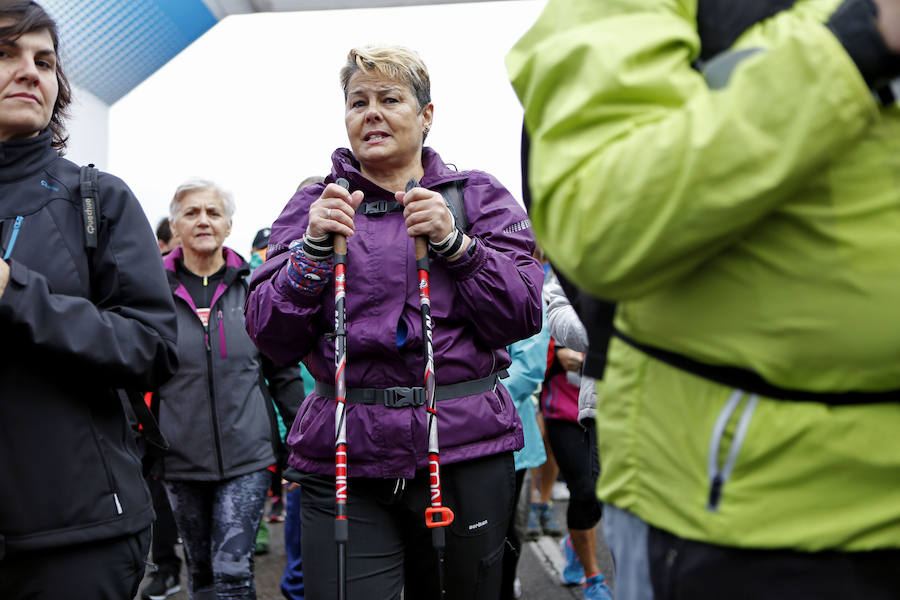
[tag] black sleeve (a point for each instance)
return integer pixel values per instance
(285, 387)
(854, 25)
(126, 334)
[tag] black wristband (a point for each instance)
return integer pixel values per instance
(319, 249)
(450, 247)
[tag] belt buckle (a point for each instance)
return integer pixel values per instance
(401, 397)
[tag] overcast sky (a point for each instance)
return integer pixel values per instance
(255, 104)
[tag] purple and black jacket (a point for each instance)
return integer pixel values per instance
(480, 303)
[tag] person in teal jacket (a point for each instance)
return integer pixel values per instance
(728, 173)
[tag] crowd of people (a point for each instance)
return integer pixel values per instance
(705, 356)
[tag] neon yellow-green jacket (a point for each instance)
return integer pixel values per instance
(752, 221)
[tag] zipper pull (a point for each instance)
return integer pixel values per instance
(715, 493)
(12, 238)
(206, 337)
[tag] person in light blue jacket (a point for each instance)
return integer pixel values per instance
(529, 362)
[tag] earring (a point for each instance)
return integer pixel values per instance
(427, 129)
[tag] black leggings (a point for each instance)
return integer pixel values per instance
(575, 449)
(390, 548)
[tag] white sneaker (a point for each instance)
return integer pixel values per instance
(560, 491)
(517, 588)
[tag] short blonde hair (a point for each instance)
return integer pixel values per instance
(200, 185)
(393, 62)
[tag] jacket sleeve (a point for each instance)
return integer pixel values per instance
(640, 168)
(126, 334)
(529, 362)
(562, 321)
(286, 389)
(280, 319)
(500, 282)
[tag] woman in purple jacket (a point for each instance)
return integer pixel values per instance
(485, 294)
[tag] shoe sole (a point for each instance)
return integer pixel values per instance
(169, 592)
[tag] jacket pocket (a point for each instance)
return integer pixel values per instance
(720, 471)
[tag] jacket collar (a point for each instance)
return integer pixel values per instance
(22, 158)
(344, 164)
(235, 266)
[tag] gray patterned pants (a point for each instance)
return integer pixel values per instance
(217, 521)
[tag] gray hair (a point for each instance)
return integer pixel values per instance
(199, 185)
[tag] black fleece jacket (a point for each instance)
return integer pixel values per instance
(71, 333)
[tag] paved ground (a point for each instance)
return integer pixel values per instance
(538, 568)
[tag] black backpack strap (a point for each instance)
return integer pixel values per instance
(150, 428)
(90, 209)
(90, 204)
(452, 192)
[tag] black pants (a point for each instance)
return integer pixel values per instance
(165, 534)
(513, 545)
(575, 449)
(390, 548)
(103, 570)
(684, 569)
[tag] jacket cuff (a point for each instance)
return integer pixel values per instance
(469, 263)
(285, 286)
(18, 278)
(854, 25)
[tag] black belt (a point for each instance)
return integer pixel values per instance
(750, 381)
(399, 397)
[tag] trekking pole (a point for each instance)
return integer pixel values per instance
(341, 528)
(437, 516)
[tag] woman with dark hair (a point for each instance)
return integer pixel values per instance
(84, 312)
(485, 294)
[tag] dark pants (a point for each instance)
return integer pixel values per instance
(681, 569)
(103, 570)
(575, 449)
(390, 548)
(292, 579)
(513, 545)
(165, 534)
(218, 522)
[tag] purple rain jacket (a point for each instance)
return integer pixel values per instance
(480, 303)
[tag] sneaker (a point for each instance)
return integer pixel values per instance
(517, 588)
(276, 510)
(573, 572)
(533, 527)
(161, 586)
(262, 539)
(548, 520)
(560, 491)
(595, 588)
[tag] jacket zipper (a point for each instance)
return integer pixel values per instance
(223, 349)
(212, 401)
(12, 238)
(719, 474)
(109, 477)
